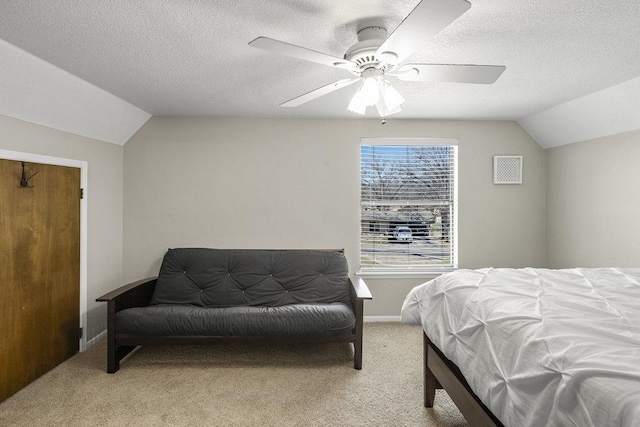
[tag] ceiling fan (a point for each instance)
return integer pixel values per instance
(376, 56)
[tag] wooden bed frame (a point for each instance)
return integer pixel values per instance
(440, 372)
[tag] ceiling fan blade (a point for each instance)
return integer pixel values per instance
(425, 21)
(481, 74)
(301, 52)
(317, 93)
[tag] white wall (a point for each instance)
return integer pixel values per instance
(593, 203)
(104, 259)
(294, 183)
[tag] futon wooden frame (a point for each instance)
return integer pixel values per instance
(138, 294)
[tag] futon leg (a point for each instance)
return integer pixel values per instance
(114, 358)
(357, 357)
(357, 344)
(430, 381)
(113, 363)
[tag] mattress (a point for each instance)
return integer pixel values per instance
(287, 320)
(540, 347)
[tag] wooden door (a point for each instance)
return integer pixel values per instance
(39, 271)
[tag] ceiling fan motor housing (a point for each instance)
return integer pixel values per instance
(363, 52)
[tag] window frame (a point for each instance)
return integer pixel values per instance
(410, 271)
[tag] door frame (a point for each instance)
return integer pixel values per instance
(83, 166)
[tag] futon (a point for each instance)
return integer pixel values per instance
(206, 295)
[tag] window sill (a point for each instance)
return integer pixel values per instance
(402, 274)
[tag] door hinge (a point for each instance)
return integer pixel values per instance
(80, 332)
(82, 193)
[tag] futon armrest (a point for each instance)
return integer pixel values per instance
(359, 292)
(360, 288)
(136, 294)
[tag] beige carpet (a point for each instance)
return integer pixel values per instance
(232, 385)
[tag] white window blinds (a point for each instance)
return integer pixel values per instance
(408, 207)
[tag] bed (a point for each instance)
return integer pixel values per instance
(533, 347)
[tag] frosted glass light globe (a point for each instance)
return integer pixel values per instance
(370, 91)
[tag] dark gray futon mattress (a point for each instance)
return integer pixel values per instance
(326, 319)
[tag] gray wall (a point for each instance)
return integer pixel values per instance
(593, 203)
(293, 183)
(104, 258)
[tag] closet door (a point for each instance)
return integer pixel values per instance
(39, 270)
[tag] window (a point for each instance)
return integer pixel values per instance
(408, 205)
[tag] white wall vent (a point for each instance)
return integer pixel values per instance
(507, 169)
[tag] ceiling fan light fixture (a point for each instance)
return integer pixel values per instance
(383, 111)
(392, 98)
(369, 93)
(387, 98)
(356, 105)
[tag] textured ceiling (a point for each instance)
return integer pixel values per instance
(190, 57)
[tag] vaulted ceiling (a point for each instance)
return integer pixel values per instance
(101, 69)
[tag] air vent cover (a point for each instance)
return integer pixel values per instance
(507, 169)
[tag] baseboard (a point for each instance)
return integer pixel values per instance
(95, 339)
(381, 318)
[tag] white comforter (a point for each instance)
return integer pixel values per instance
(540, 347)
